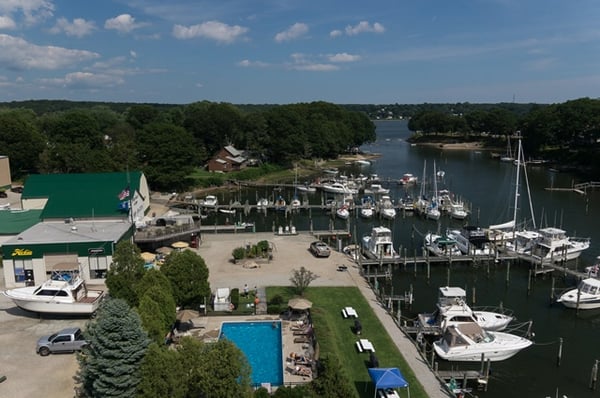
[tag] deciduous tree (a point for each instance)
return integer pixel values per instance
(301, 279)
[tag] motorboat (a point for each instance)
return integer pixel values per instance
(553, 245)
(263, 204)
(226, 211)
(62, 294)
(593, 271)
(469, 342)
(343, 212)
(366, 206)
(210, 201)
(386, 208)
(457, 211)
(408, 179)
(452, 309)
(306, 188)
(439, 245)
(407, 203)
(280, 204)
(472, 240)
(295, 203)
(363, 162)
(377, 189)
(338, 188)
(586, 296)
(379, 245)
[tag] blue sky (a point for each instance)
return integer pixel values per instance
(289, 51)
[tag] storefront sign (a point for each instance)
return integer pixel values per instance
(22, 252)
(99, 250)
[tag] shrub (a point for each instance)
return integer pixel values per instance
(276, 300)
(262, 246)
(274, 309)
(239, 253)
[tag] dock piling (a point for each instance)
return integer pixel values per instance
(594, 376)
(559, 356)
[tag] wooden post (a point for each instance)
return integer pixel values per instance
(428, 271)
(507, 271)
(552, 290)
(594, 376)
(487, 374)
(559, 356)
(474, 300)
(482, 363)
(529, 282)
(448, 276)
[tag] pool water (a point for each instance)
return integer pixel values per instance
(261, 343)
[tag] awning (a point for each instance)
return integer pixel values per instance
(65, 267)
(299, 303)
(387, 378)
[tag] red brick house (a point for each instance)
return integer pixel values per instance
(227, 159)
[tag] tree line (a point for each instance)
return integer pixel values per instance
(567, 134)
(168, 143)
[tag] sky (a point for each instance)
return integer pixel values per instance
(291, 51)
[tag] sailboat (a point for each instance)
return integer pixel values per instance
(509, 156)
(433, 210)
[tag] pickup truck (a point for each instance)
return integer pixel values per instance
(67, 340)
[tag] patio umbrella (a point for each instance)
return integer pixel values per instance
(187, 315)
(148, 257)
(180, 245)
(164, 250)
(299, 303)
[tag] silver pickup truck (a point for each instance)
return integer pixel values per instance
(67, 340)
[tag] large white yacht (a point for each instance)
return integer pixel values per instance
(452, 309)
(65, 296)
(553, 245)
(469, 342)
(472, 240)
(379, 245)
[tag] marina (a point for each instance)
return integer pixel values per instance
(501, 278)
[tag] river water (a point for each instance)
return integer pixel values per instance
(488, 186)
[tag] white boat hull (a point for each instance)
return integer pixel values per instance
(502, 347)
(586, 296)
(53, 306)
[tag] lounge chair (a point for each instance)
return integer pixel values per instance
(302, 339)
(303, 371)
(307, 331)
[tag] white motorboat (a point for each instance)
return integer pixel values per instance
(553, 245)
(439, 245)
(339, 188)
(408, 179)
(295, 203)
(280, 204)
(472, 240)
(407, 203)
(457, 211)
(306, 188)
(67, 295)
(593, 271)
(379, 245)
(210, 201)
(226, 211)
(343, 212)
(586, 296)
(363, 162)
(452, 309)
(263, 204)
(469, 342)
(366, 206)
(386, 208)
(376, 189)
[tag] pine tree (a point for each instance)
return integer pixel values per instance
(110, 367)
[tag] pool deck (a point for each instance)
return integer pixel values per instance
(211, 326)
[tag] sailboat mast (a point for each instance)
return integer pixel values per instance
(517, 186)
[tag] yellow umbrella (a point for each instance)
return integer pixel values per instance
(148, 257)
(180, 245)
(164, 250)
(299, 303)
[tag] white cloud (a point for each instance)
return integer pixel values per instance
(211, 30)
(132, 54)
(18, 54)
(7, 22)
(305, 62)
(246, 63)
(364, 27)
(78, 28)
(84, 80)
(335, 33)
(293, 32)
(123, 23)
(343, 57)
(33, 10)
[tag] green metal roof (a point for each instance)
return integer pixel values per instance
(13, 222)
(81, 195)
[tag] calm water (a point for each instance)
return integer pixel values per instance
(487, 185)
(261, 343)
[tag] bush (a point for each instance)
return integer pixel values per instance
(274, 309)
(262, 246)
(276, 300)
(239, 253)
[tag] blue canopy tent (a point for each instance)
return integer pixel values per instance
(388, 378)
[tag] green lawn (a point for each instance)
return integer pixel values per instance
(336, 337)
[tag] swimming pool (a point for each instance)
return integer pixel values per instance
(261, 343)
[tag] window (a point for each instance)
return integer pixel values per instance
(23, 269)
(98, 266)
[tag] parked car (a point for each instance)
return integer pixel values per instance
(320, 249)
(17, 189)
(3, 194)
(67, 340)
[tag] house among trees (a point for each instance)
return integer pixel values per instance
(228, 159)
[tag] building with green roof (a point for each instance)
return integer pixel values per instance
(80, 219)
